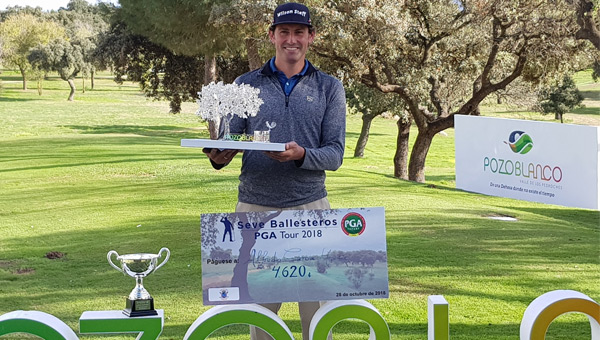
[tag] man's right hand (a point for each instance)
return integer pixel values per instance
(220, 157)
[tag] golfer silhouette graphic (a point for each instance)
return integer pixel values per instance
(228, 229)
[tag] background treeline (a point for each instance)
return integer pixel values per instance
(422, 61)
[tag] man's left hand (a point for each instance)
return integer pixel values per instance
(293, 152)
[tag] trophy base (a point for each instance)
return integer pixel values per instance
(135, 308)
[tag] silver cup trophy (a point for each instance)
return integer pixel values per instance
(139, 302)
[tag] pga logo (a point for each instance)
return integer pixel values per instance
(353, 224)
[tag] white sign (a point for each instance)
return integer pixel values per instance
(294, 255)
(528, 160)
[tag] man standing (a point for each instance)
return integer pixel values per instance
(309, 109)
(228, 229)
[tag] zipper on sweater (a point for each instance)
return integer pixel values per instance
(287, 101)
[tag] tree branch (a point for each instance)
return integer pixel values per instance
(588, 29)
(434, 95)
(418, 114)
(333, 56)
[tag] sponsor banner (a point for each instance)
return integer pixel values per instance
(294, 255)
(528, 160)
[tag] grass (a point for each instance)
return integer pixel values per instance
(106, 172)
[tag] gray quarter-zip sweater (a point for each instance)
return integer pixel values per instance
(314, 116)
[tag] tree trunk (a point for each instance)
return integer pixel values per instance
(93, 74)
(40, 85)
(72, 86)
(175, 104)
(254, 60)
(401, 156)
(359, 151)
(210, 69)
(210, 75)
(83, 84)
(24, 78)
(240, 271)
(416, 167)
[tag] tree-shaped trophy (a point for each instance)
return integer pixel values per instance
(220, 102)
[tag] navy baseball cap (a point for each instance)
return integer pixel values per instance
(291, 13)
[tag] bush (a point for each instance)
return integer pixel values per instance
(560, 98)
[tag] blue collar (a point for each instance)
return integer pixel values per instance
(288, 84)
(275, 70)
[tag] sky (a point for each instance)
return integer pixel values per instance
(46, 5)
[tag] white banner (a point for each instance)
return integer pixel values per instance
(528, 160)
(294, 255)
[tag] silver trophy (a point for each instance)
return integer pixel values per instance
(139, 302)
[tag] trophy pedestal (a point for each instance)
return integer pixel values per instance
(114, 322)
(143, 307)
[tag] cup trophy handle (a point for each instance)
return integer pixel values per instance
(166, 258)
(109, 257)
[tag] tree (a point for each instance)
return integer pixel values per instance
(355, 276)
(560, 98)
(372, 103)
(249, 19)
(192, 28)
(161, 73)
(13, 10)
(587, 20)
(218, 253)
(596, 70)
(181, 26)
(444, 58)
(20, 33)
(322, 266)
(84, 23)
(62, 56)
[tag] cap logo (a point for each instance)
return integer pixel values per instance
(291, 13)
(302, 13)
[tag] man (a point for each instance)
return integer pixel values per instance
(309, 109)
(228, 229)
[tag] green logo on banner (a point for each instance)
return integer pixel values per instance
(520, 142)
(353, 224)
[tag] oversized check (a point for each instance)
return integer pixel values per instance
(294, 255)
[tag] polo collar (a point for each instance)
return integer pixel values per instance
(266, 69)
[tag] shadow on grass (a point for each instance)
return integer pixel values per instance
(11, 99)
(65, 152)
(357, 134)
(88, 163)
(115, 87)
(5, 77)
(360, 330)
(595, 111)
(142, 130)
(590, 95)
(591, 218)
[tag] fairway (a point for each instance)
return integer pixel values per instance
(106, 172)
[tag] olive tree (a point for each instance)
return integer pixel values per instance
(444, 57)
(62, 56)
(20, 32)
(84, 23)
(371, 103)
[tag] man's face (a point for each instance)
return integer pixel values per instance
(291, 42)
